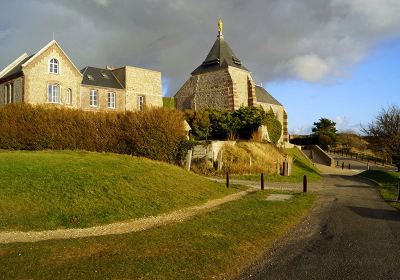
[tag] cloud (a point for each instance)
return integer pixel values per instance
(310, 40)
(309, 67)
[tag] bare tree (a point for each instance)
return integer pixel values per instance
(386, 130)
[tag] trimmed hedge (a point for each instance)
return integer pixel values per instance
(155, 133)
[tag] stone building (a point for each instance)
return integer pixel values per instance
(223, 82)
(50, 77)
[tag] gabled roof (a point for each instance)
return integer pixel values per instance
(220, 56)
(51, 43)
(14, 70)
(100, 77)
(263, 96)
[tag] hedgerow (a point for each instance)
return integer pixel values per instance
(155, 133)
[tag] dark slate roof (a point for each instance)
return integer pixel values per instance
(98, 78)
(263, 96)
(220, 56)
(16, 71)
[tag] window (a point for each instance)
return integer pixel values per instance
(90, 77)
(54, 66)
(111, 100)
(140, 102)
(53, 93)
(69, 97)
(93, 98)
(9, 94)
(105, 75)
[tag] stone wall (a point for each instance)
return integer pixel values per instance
(18, 84)
(38, 77)
(207, 90)
(143, 82)
(102, 99)
(243, 87)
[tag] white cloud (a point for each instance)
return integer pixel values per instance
(104, 3)
(309, 67)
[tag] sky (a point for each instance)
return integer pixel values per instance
(319, 58)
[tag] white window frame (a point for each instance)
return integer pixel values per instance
(111, 100)
(69, 97)
(54, 66)
(53, 93)
(93, 98)
(6, 90)
(140, 102)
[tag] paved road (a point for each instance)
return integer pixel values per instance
(360, 165)
(352, 234)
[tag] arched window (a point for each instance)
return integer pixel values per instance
(69, 97)
(53, 93)
(54, 66)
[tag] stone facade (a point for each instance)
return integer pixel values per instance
(37, 77)
(32, 78)
(226, 89)
(102, 99)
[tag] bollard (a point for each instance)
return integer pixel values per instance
(349, 166)
(262, 181)
(337, 163)
(227, 180)
(398, 191)
(367, 166)
(342, 165)
(304, 183)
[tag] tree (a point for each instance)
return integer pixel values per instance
(324, 133)
(386, 131)
(324, 125)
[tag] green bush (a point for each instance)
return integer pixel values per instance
(168, 102)
(154, 133)
(274, 127)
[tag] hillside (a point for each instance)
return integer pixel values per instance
(63, 189)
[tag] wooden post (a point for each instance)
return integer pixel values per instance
(337, 163)
(342, 165)
(305, 183)
(349, 166)
(398, 191)
(227, 180)
(262, 181)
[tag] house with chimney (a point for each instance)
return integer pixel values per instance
(50, 77)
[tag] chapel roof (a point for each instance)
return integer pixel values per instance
(220, 56)
(263, 96)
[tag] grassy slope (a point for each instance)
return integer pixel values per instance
(48, 190)
(301, 166)
(387, 184)
(216, 245)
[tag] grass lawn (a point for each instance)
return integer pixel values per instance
(301, 166)
(216, 245)
(387, 184)
(63, 189)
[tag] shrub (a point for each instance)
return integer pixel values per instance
(154, 133)
(274, 127)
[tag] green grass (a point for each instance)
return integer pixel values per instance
(387, 184)
(217, 245)
(61, 189)
(301, 166)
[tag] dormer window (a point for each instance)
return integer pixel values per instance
(54, 66)
(105, 76)
(90, 77)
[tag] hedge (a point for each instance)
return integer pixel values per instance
(154, 133)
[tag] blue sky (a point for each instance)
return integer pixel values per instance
(352, 101)
(320, 58)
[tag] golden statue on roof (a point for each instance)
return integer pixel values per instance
(220, 26)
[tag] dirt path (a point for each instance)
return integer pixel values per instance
(120, 227)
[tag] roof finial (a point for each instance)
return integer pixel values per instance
(220, 27)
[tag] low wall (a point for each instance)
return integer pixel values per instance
(317, 155)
